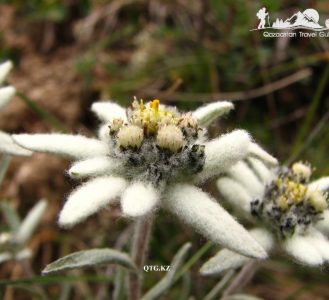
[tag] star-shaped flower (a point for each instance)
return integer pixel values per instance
(7, 146)
(151, 156)
(292, 212)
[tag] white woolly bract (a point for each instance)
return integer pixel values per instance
(210, 112)
(261, 170)
(90, 198)
(139, 199)
(107, 111)
(31, 222)
(224, 152)
(5, 68)
(103, 133)
(8, 146)
(320, 243)
(301, 250)
(76, 146)
(257, 151)
(321, 184)
(247, 178)
(96, 166)
(6, 93)
(234, 193)
(4, 256)
(323, 224)
(226, 259)
(200, 211)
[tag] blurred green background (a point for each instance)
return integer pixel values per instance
(70, 53)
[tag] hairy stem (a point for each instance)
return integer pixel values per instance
(139, 250)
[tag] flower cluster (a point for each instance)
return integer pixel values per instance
(151, 156)
(290, 211)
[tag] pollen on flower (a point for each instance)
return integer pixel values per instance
(288, 203)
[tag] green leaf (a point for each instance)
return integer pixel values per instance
(167, 281)
(31, 221)
(89, 258)
(11, 216)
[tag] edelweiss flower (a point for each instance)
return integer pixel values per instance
(151, 156)
(293, 210)
(7, 146)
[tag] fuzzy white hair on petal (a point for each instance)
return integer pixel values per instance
(258, 152)
(107, 111)
(224, 152)
(206, 114)
(6, 94)
(197, 209)
(226, 259)
(323, 224)
(139, 199)
(234, 193)
(8, 146)
(321, 184)
(90, 198)
(76, 146)
(95, 166)
(247, 178)
(301, 250)
(5, 68)
(320, 242)
(261, 170)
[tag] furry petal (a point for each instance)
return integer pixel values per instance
(106, 111)
(95, 166)
(321, 184)
(139, 199)
(247, 178)
(234, 193)
(5, 68)
(6, 93)
(320, 243)
(90, 198)
(303, 251)
(261, 170)
(224, 152)
(323, 225)
(210, 112)
(258, 152)
(76, 146)
(226, 259)
(8, 146)
(197, 209)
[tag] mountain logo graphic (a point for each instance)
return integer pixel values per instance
(308, 19)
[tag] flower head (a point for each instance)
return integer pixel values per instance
(292, 212)
(152, 156)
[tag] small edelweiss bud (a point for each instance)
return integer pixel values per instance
(301, 170)
(170, 137)
(130, 136)
(318, 201)
(188, 124)
(115, 125)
